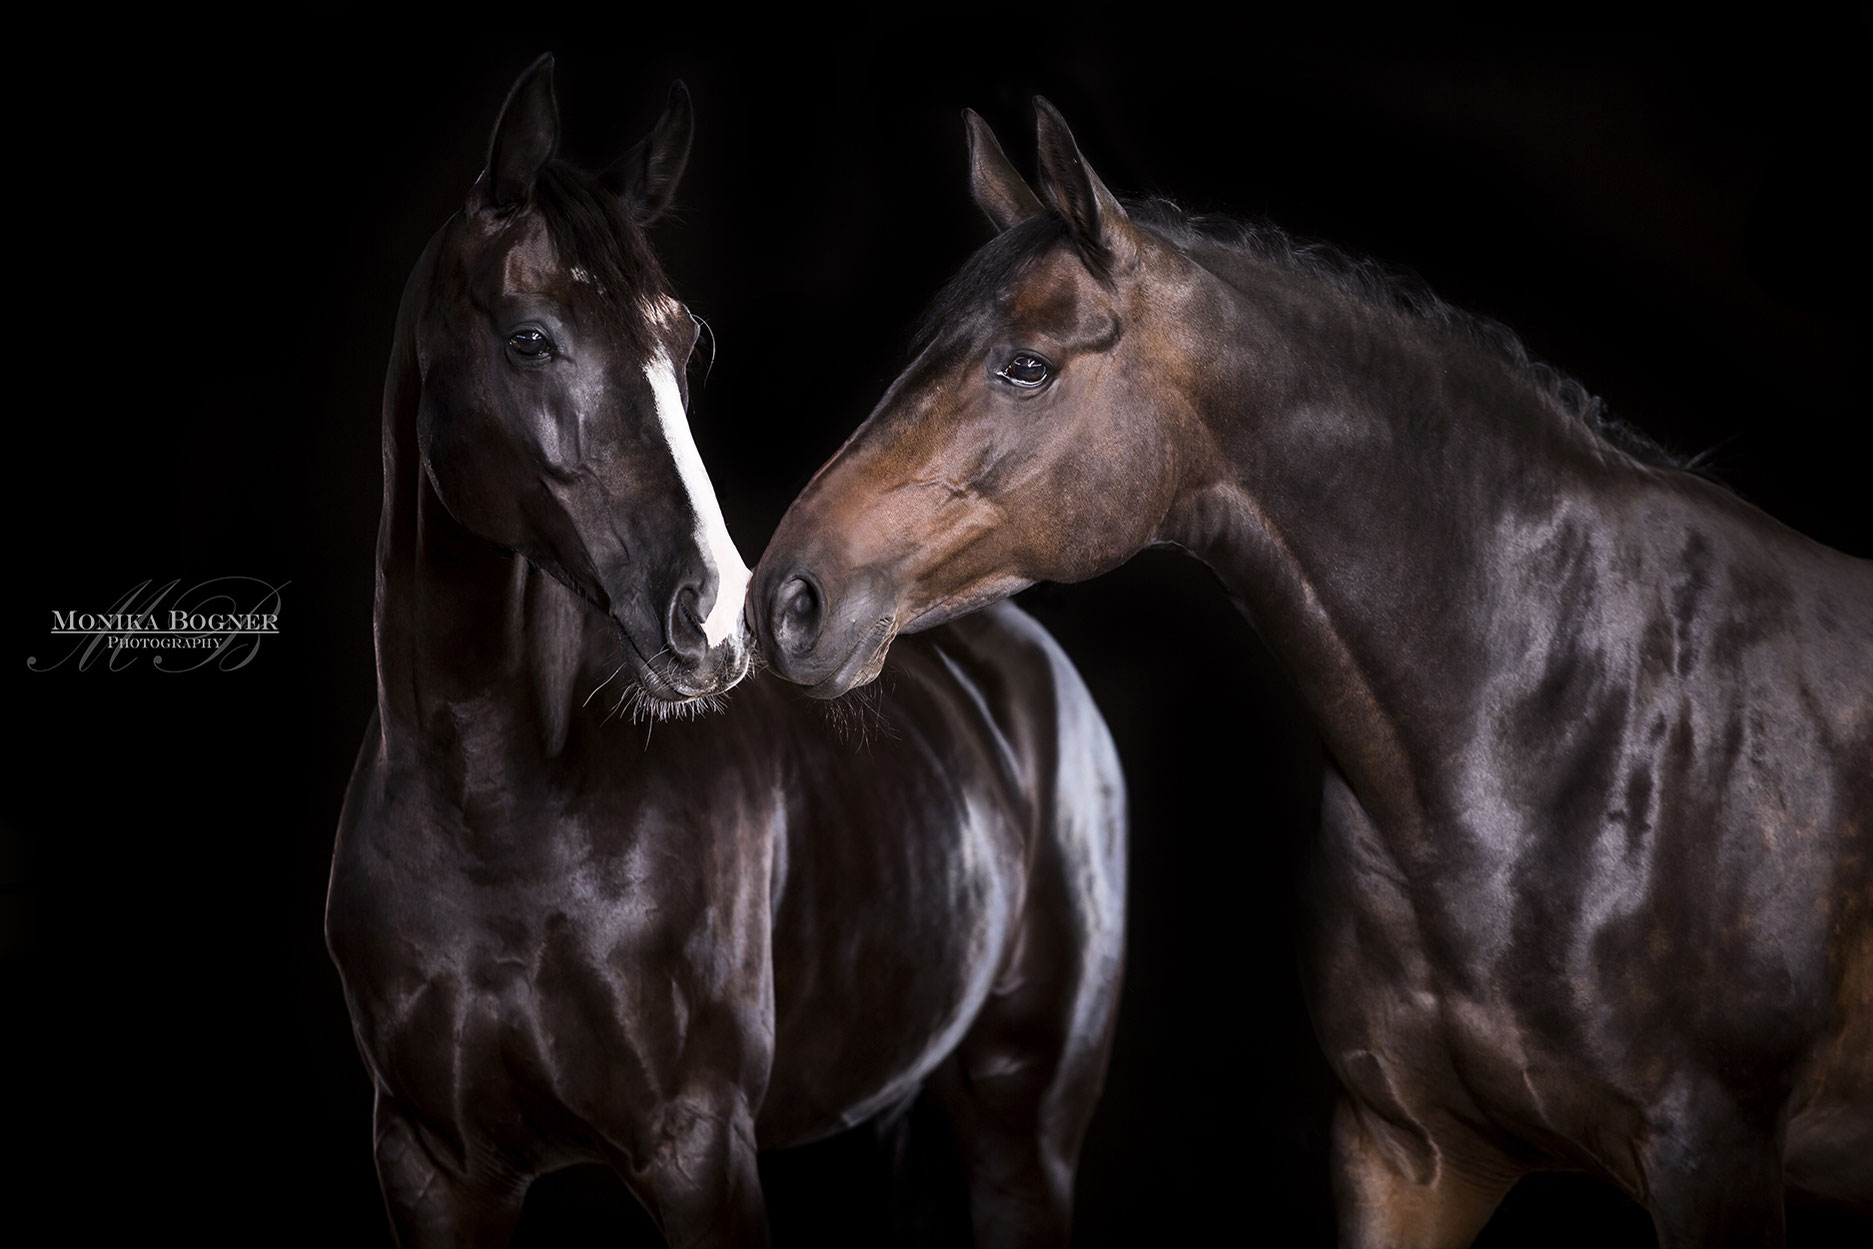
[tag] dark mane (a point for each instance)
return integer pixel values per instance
(591, 231)
(1377, 285)
(1004, 256)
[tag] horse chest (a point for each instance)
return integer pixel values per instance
(534, 976)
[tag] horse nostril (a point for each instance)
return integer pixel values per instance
(798, 613)
(684, 626)
(802, 602)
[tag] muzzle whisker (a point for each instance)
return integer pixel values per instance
(602, 684)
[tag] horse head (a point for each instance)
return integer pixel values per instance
(1035, 402)
(553, 413)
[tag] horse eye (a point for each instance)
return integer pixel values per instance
(530, 344)
(1026, 371)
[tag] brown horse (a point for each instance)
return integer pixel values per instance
(1594, 883)
(562, 942)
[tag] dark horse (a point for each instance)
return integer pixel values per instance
(1594, 886)
(561, 942)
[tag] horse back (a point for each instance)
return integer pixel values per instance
(982, 768)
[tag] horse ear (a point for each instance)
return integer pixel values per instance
(645, 177)
(1098, 224)
(524, 139)
(1001, 193)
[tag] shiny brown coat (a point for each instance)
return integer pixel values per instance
(1594, 882)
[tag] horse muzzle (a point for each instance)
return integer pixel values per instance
(828, 644)
(698, 655)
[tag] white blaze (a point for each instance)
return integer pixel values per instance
(731, 575)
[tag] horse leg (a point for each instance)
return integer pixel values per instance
(1019, 1120)
(916, 1141)
(1020, 1089)
(1385, 1195)
(695, 1172)
(431, 1201)
(1714, 1178)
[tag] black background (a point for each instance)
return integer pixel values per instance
(212, 229)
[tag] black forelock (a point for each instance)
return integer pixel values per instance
(590, 230)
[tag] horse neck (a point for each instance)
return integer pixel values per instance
(472, 644)
(1368, 479)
